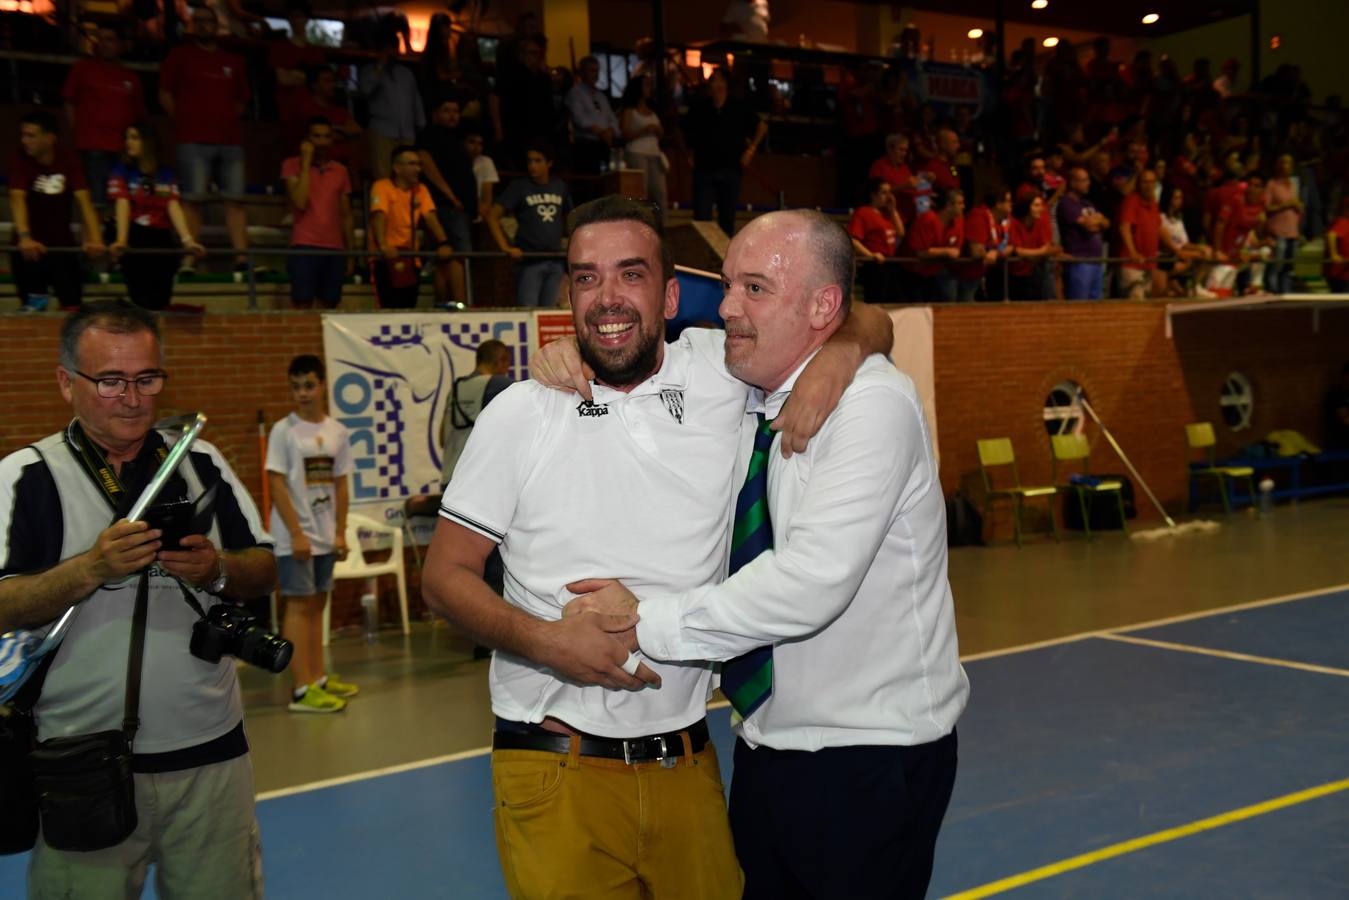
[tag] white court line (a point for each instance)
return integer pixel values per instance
(1156, 623)
(719, 704)
(1227, 654)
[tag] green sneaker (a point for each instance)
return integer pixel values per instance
(317, 700)
(339, 688)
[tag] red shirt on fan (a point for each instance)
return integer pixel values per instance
(1223, 195)
(107, 98)
(148, 196)
(286, 54)
(1146, 219)
(942, 174)
(50, 194)
(1242, 218)
(1339, 228)
(981, 227)
(207, 88)
(874, 230)
(1021, 237)
(928, 232)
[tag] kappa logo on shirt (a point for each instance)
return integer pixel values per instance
(674, 404)
(588, 409)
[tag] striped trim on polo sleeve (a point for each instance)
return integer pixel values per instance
(472, 524)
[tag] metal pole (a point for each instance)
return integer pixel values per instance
(468, 281)
(658, 38)
(1255, 44)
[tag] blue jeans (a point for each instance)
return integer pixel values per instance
(536, 283)
(97, 165)
(1279, 274)
(1083, 281)
(201, 164)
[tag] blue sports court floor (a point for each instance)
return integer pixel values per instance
(1205, 756)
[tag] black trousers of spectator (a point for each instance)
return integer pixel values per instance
(149, 279)
(720, 188)
(854, 822)
(881, 282)
(588, 157)
(61, 274)
(391, 297)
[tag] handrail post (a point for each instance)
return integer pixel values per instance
(468, 281)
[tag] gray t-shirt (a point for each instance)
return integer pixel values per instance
(541, 211)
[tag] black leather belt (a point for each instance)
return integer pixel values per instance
(652, 748)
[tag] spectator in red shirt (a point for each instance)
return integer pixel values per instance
(1225, 192)
(1028, 244)
(148, 215)
(941, 169)
(876, 229)
(45, 181)
(102, 98)
(1336, 266)
(936, 238)
(894, 168)
(205, 90)
(320, 99)
(1140, 225)
(292, 58)
(984, 236)
(1239, 234)
(319, 189)
(988, 221)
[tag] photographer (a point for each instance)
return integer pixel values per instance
(193, 780)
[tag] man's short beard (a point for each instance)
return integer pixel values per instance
(631, 366)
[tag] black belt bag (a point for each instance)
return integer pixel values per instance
(86, 793)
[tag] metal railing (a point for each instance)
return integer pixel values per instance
(251, 254)
(1001, 268)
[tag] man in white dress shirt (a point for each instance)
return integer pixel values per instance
(846, 760)
(612, 793)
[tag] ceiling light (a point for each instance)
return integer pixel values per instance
(1151, 19)
(974, 34)
(1051, 42)
(1039, 4)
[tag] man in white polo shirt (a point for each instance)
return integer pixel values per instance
(603, 792)
(837, 632)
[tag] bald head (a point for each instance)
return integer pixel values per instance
(787, 278)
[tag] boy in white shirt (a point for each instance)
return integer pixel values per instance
(308, 461)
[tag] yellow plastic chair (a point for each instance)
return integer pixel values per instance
(995, 453)
(1073, 448)
(1199, 436)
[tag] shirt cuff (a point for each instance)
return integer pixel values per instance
(658, 627)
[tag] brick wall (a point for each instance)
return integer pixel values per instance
(995, 365)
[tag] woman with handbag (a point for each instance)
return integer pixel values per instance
(147, 214)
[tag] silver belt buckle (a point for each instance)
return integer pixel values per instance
(666, 763)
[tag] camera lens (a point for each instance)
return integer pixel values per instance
(265, 650)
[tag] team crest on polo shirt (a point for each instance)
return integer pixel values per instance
(674, 404)
(588, 409)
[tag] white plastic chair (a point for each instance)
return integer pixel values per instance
(356, 566)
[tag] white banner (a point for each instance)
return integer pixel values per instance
(912, 355)
(389, 380)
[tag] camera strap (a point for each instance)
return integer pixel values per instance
(131, 722)
(95, 464)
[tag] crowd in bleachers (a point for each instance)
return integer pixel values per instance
(1097, 179)
(1083, 180)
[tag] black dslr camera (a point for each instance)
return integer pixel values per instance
(230, 630)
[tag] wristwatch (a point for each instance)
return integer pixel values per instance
(218, 586)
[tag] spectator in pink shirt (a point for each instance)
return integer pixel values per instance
(1283, 221)
(319, 189)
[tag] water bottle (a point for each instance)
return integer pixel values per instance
(1266, 495)
(370, 610)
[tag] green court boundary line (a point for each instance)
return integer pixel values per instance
(1083, 860)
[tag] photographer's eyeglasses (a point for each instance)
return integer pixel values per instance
(110, 386)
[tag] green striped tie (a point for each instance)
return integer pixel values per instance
(747, 681)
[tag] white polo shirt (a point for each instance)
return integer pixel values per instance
(638, 486)
(854, 598)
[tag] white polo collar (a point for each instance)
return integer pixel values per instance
(771, 404)
(673, 374)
